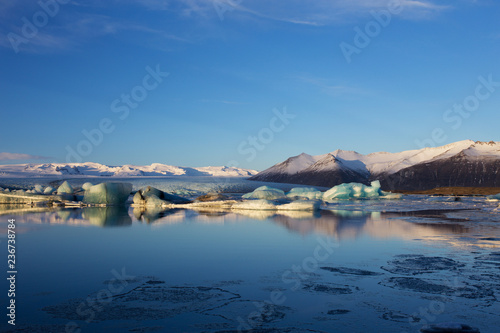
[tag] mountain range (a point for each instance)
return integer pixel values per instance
(90, 169)
(463, 163)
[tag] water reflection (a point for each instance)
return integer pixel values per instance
(107, 216)
(98, 216)
(343, 224)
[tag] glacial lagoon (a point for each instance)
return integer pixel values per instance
(354, 266)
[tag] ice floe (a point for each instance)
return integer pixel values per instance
(265, 192)
(65, 188)
(49, 190)
(358, 191)
(153, 197)
(305, 192)
(107, 193)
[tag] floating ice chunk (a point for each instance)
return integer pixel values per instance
(172, 198)
(65, 188)
(255, 205)
(141, 197)
(49, 190)
(342, 191)
(108, 193)
(38, 188)
(138, 199)
(86, 186)
(495, 196)
(305, 205)
(305, 192)
(149, 191)
(358, 191)
(265, 192)
(153, 201)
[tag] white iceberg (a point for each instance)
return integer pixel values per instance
(305, 192)
(107, 193)
(65, 188)
(38, 189)
(265, 192)
(49, 190)
(86, 186)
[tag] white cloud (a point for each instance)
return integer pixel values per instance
(306, 12)
(16, 156)
(74, 24)
(79, 22)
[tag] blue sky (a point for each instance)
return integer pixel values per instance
(241, 82)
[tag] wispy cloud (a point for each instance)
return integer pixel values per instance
(316, 13)
(75, 24)
(327, 87)
(78, 23)
(16, 156)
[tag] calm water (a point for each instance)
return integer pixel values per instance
(357, 267)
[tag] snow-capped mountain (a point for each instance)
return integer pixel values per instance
(90, 169)
(463, 163)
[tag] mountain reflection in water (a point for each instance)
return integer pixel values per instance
(340, 224)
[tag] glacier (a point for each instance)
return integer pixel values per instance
(91, 169)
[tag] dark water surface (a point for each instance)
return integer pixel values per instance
(352, 268)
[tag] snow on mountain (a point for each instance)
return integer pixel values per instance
(294, 164)
(91, 169)
(341, 165)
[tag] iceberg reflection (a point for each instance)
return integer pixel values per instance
(344, 224)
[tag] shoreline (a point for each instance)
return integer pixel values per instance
(460, 191)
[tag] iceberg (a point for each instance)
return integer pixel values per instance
(305, 192)
(154, 201)
(143, 197)
(266, 193)
(65, 188)
(495, 196)
(49, 190)
(358, 191)
(107, 194)
(86, 186)
(38, 189)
